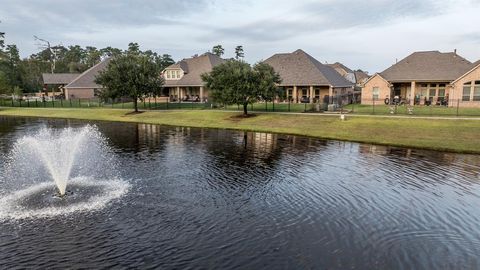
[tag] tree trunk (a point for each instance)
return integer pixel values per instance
(135, 103)
(245, 107)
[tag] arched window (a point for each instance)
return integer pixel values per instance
(467, 88)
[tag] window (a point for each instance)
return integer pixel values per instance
(441, 92)
(476, 91)
(168, 74)
(467, 87)
(178, 74)
(376, 93)
(432, 90)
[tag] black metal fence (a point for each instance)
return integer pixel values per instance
(333, 104)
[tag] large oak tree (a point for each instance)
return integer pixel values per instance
(131, 75)
(236, 82)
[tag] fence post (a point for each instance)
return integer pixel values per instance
(61, 103)
(13, 105)
(373, 106)
(36, 103)
(458, 105)
(273, 106)
(289, 104)
(168, 102)
(70, 101)
(79, 103)
(266, 106)
(305, 110)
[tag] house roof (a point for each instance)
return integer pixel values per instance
(428, 66)
(338, 65)
(474, 66)
(299, 68)
(87, 78)
(59, 78)
(361, 76)
(193, 68)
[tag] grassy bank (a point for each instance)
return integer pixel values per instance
(449, 135)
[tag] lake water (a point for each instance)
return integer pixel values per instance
(217, 199)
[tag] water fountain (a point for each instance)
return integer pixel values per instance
(75, 158)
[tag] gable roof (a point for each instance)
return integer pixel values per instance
(428, 66)
(59, 78)
(474, 66)
(193, 68)
(87, 78)
(301, 69)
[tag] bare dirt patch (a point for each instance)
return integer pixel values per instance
(240, 117)
(133, 113)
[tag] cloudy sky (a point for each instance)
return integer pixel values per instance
(361, 34)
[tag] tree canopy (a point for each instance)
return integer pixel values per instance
(239, 54)
(218, 50)
(131, 75)
(26, 74)
(236, 82)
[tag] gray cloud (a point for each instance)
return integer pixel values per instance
(101, 12)
(327, 15)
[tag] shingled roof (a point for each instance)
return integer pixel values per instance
(193, 68)
(428, 66)
(87, 78)
(361, 76)
(338, 65)
(301, 69)
(59, 78)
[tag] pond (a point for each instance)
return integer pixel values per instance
(219, 199)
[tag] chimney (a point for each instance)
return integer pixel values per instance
(455, 52)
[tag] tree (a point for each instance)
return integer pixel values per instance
(110, 52)
(239, 52)
(135, 76)
(93, 56)
(218, 50)
(165, 60)
(133, 48)
(236, 82)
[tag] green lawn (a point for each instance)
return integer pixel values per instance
(450, 135)
(417, 110)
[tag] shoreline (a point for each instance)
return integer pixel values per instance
(447, 135)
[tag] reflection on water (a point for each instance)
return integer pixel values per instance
(205, 198)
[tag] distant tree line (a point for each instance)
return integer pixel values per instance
(19, 75)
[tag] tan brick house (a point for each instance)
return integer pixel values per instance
(423, 78)
(306, 80)
(57, 82)
(84, 85)
(183, 80)
(466, 89)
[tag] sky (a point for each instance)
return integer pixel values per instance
(367, 35)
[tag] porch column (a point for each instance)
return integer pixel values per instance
(178, 94)
(330, 94)
(312, 94)
(201, 93)
(412, 93)
(295, 95)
